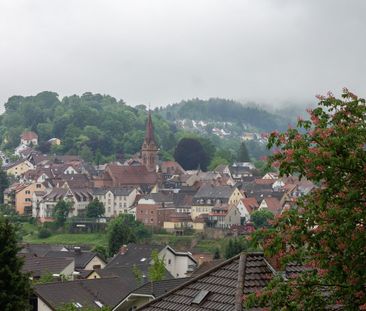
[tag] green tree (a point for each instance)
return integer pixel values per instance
(235, 246)
(86, 154)
(157, 269)
(327, 229)
(61, 212)
(14, 285)
(216, 161)
(45, 278)
(123, 230)
(95, 209)
(261, 218)
(190, 154)
(137, 274)
(243, 155)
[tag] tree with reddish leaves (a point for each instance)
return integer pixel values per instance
(326, 230)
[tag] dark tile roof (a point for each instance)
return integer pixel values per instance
(108, 292)
(38, 266)
(40, 249)
(82, 258)
(206, 266)
(222, 287)
(214, 192)
(159, 288)
(136, 254)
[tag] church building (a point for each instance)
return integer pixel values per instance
(149, 149)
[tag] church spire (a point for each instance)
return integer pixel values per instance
(149, 134)
(149, 149)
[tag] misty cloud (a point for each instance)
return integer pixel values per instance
(163, 51)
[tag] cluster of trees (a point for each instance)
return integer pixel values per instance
(95, 126)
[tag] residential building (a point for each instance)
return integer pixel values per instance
(84, 260)
(153, 214)
(220, 288)
(89, 293)
(18, 168)
(41, 266)
(179, 264)
(29, 138)
(79, 198)
(223, 217)
(116, 200)
(24, 196)
(246, 207)
(147, 292)
(271, 204)
(208, 196)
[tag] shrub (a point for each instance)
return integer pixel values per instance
(44, 233)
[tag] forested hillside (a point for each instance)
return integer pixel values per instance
(100, 128)
(91, 125)
(224, 110)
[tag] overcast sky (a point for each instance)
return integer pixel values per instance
(163, 51)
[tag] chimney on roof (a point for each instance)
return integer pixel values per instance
(123, 249)
(77, 250)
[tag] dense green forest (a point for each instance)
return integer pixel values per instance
(100, 128)
(91, 125)
(224, 110)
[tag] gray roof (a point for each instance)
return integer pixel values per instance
(136, 254)
(108, 292)
(159, 288)
(214, 192)
(220, 288)
(38, 266)
(82, 258)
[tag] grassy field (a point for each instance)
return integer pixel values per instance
(30, 235)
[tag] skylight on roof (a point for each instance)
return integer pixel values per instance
(77, 305)
(143, 259)
(98, 303)
(202, 294)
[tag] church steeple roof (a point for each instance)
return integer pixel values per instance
(149, 134)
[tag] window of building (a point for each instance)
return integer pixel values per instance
(169, 261)
(38, 186)
(27, 192)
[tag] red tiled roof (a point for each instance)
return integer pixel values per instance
(131, 175)
(29, 135)
(260, 181)
(273, 204)
(251, 204)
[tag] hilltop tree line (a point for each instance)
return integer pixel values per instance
(224, 110)
(100, 128)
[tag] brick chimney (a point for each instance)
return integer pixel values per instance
(123, 249)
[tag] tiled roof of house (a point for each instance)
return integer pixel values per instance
(131, 175)
(40, 249)
(221, 288)
(38, 266)
(206, 266)
(251, 204)
(159, 288)
(29, 135)
(88, 293)
(82, 258)
(273, 204)
(10, 165)
(214, 192)
(133, 254)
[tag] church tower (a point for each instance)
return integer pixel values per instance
(149, 149)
